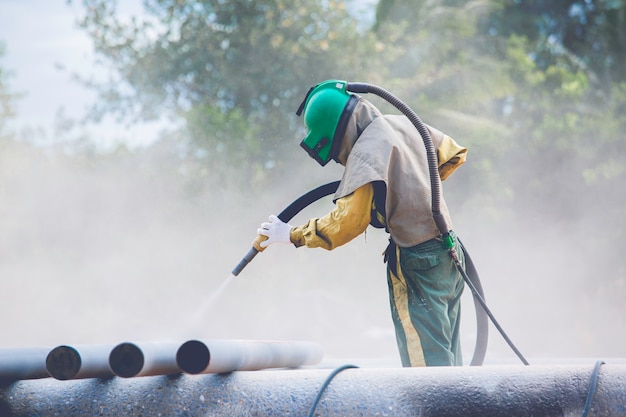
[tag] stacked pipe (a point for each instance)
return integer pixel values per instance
(26, 363)
(134, 359)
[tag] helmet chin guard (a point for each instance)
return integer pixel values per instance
(327, 108)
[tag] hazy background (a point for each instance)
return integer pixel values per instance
(114, 229)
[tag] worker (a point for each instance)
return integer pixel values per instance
(386, 184)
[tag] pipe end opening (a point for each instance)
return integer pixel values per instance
(63, 362)
(193, 357)
(126, 360)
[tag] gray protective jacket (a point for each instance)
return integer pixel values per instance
(388, 149)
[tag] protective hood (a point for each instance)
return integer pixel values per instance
(363, 114)
(326, 109)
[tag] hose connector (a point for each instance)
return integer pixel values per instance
(448, 240)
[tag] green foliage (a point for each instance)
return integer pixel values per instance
(520, 83)
(528, 87)
(235, 143)
(584, 35)
(250, 61)
(442, 76)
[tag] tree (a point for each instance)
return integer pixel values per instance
(566, 61)
(443, 75)
(526, 85)
(229, 69)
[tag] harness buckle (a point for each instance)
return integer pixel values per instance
(448, 240)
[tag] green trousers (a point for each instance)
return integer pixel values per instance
(425, 290)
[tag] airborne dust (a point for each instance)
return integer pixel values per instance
(132, 247)
(106, 250)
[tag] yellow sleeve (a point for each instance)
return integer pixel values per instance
(349, 218)
(451, 155)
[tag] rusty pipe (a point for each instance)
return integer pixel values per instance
(144, 359)
(483, 391)
(79, 361)
(220, 356)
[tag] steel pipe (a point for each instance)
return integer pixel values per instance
(487, 391)
(79, 361)
(219, 356)
(23, 363)
(128, 359)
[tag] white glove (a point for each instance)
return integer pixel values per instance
(276, 231)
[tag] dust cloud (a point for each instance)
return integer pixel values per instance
(106, 250)
(113, 249)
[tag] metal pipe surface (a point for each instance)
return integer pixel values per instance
(23, 363)
(219, 356)
(79, 361)
(487, 391)
(128, 359)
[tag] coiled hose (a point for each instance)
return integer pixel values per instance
(435, 185)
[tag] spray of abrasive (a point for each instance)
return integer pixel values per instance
(218, 292)
(201, 314)
(287, 214)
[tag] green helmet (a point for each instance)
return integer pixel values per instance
(327, 108)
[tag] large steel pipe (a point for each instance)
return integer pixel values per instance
(23, 363)
(218, 356)
(128, 359)
(79, 361)
(512, 391)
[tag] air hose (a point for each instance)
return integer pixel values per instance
(482, 328)
(470, 274)
(435, 183)
(288, 213)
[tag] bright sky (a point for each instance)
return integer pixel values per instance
(40, 37)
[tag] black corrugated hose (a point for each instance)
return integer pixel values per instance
(435, 184)
(431, 153)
